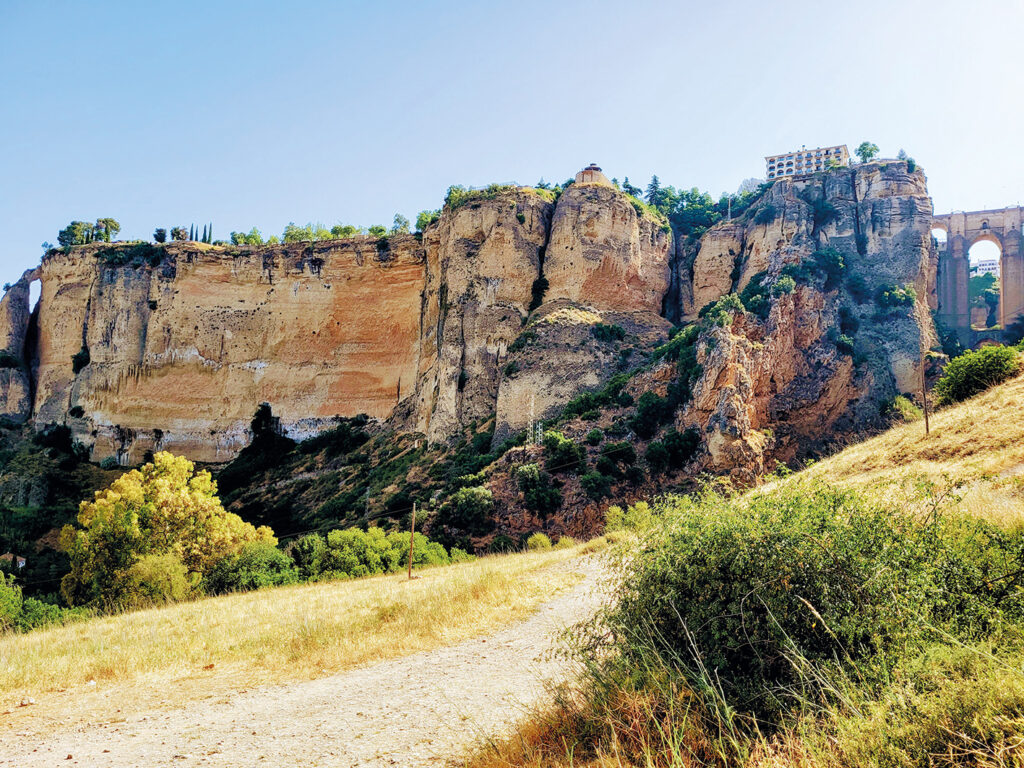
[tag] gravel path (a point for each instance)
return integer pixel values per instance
(415, 711)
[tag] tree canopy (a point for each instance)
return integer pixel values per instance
(163, 508)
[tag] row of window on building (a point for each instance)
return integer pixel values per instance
(806, 161)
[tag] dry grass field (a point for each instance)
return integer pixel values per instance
(189, 651)
(975, 451)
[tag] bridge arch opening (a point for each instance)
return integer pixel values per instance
(984, 290)
(940, 235)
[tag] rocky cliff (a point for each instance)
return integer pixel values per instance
(510, 305)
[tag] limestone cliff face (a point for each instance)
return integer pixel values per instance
(605, 253)
(15, 384)
(177, 350)
(482, 261)
(828, 353)
(181, 353)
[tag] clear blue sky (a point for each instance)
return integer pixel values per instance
(260, 113)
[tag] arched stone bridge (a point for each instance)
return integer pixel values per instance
(963, 229)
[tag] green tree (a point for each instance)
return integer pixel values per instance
(163, 508)
(425, 218)
(629, 189)
(75, 233)
(377, 230)
(160, 235)
(400, 225)
(344, 230)
(293, 233)
(106, 229)
(252, 237)
(866, 151)
(179, 234)
(470, 509)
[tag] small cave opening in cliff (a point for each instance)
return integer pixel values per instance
(35, 289)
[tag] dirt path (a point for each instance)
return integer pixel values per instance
(414, 711)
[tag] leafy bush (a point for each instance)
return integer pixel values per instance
(22, 614)
(80, 359)
(565, 542)
(538, 542)
(621, 452)
(844, 344)
(156, 579)
(976, 371)
(259, 564)
(892, 296)
(539, 494)
(784, 286)
(651, 412)
(563, 455)
(522, 340)
(754, 296)
(901, 408)
(469, 509)
(165, 507)
(782, 593)
(596, 485)
(636, 517)
(606, 332)
(109, 462)
(720, 313)
(594, 436)
(765, 214)
(310, 555)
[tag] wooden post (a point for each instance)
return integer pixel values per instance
(412, 537)
(924, 394)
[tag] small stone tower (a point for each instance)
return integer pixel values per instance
(592, 175)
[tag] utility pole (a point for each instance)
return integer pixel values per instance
(412, 537)
(924, 394)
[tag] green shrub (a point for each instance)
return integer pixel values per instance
(158, 579)
(782, 593)
(892, 296)
(621, 452)
(765, 214)
(784, 286)
(522, 340)
(310, 555)
(80, 359)
(651, 412)
(109, 462)
(539, 494)
(565, 542)
(596, 485)
(636, 517)
(470, 509)
(538, 542)
(720, 313)
(563, 455)
(844, 344)
(606, 332)
(259, 564)
(755, 296)
(594, 436)
(901, 408)
(974, 372)
(460, 556)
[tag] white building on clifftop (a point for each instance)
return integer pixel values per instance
(805, 161)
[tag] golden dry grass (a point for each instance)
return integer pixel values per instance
(975, 450)
(194, 650)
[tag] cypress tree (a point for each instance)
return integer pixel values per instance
(209, 234)
(192, 232)
(203, 240)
